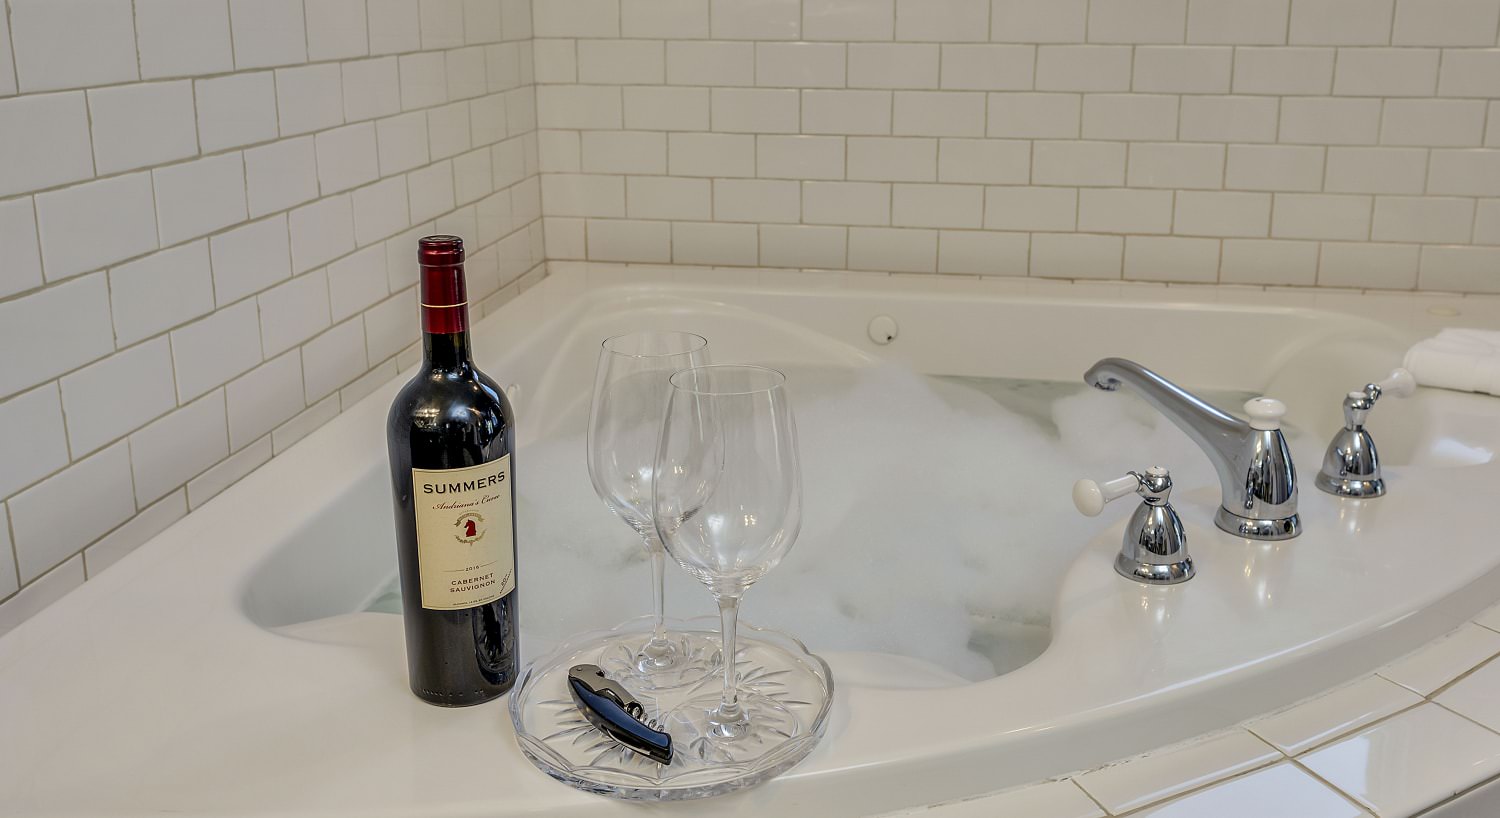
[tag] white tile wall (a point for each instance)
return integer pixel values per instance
(220, 200)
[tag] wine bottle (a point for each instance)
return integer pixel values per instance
(451, 437)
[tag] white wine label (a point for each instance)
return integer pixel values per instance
(465, 542)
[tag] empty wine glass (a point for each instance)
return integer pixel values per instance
(728, 505)
(630, 396)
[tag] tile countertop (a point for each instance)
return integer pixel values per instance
(1406, 738)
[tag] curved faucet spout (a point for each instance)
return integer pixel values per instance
(1252, 459)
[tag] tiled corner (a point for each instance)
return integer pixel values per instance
(1441, 662)
(1170, 771)
(1333, 714)
(1284, 791)
(1476, 696)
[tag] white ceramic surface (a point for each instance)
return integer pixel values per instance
(1282, 791)
(1336, 712)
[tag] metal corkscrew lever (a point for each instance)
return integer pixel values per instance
(610, 707)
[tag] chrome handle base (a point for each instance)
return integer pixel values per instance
(1351, 466)
(1154, 547)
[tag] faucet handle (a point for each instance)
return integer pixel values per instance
(1265, 413)
(1090, 497)
(1153, 549)
(1400, 383)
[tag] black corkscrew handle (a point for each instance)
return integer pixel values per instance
(616, 713)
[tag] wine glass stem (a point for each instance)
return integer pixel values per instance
(658, 641)
(729, 713)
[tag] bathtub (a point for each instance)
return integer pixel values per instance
(231, 665)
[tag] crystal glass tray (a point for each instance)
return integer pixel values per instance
(557, 739)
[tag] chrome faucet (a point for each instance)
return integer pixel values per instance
(1154, 550)
(1254, 464)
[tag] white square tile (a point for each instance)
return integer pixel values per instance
(893, 65)
(757, 200)
(1460, 269)
(249, 259)
(281, 175)
(1171, 258)
(1341, 22)
(442, 23)
(81, 305)
(983, 252)
(1474, 696)
(631, 241)
(846, 203)
(939, 113)
(235, 110)
(109, 398)
(1281, 790)
(1175, 165)
(802, 246)
(320, 232)
(1387, 72)
(1138, 21)
(153, 520)
(671, 19)
(1470, 73)
(577, 18)
(1076, 255)
(1395, 767)
(1267, 261)
(579, 106)
(565, 239)
(391, 325)
(1438, 123)
(171, 451)
(1464, 173)
(1376, 170)
(293, 312)
(1427, 219)
(401, 142)
(464, 71)
(333, 359)
(1335, 713)
(1274, 167)
(846, 112)
(1124, 210)
(44, 141)
(372, 88)
(309, 98)
(754, 110)
(886, 249)
(1445, 22)
(666, 109)
(1161, 774)
(1228, 119)
(267, 32)
(1321, 216)
(1030, 208)
(1183, 69)
(1083, 68)
(987, 161)
(800, 65)
(938, 206)
(72, 43)
(212, 350)
(199, 197)
(482, 21)
(160, 291)
(179, 38)
(942, 20)
(23, 267)
(393, 26)
(116, 214)
(356, 282)
(380, 210)
(336, 29)
(1368, 265)
(1488, 619)
(556, 61)
(32, 441)
(1237, 22)
(1283, 70)
(840, 20)
(755, 19)
(50, 524)
(1038, 21)
(1133, 117)
(710, 63)
(1035, 116)
(429, 192)
(1078, 163)
(892, 159)
(346, 157)
(487, 120)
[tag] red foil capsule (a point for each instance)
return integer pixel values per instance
(445, 298)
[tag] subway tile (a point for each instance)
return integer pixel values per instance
(941, 20)
(666, 109)
(1076, 255)
(116, 214)
(565, 240)
(668, 197)
(371, 88)
(1269, 261)
(293, 311)
(1228, 119)
(1035, 116)
(629, 241)
(802, 246)
(961, 206)
(320, 232)
(1283, 70)
(1426, 219)
(893, 65)
(1341, 22)
(179, 38)
(621, 62)
(1320, 216)
(1182, 69)
(1038, 21)
(424, 79)
(72, 43)
(464, 70)
(111, 397)
(800, 65)
(136, 126)
(1124, 210)
(82, 305)
(346, 157)
(309, 98)
(1470, 73)
(757, 200)
(710, 63)
(227, 472)
(755, 19)
(1204, 213)
(32, 439)
(429, 193)
(800, 157)
(1282, 789)
(1237, 22)
(985, 161)
(304, 424)
(584, 195)
(1487, 231)
(380, 210)
(212, 350)
(7, 80)
(267, 32)
(841, 20)
(448, 130)
(1459, 269)
(1386, 72)
(1330, 121)
(938, 113)
(160, 291)
(336, 29)
(1274, 167)
(248, 259)
(236, 110)
(579, 106)
(846, 203)
(1130, 117)
(473, 176)
(1078, 163)
(983, 252)
(669, 19)
(167, 453)
(1445, 22)
(1464, 173)
(1364, 265)
(1030, 208)
(892, 159)
(279, 176)
(50, 524)
(755, 110)
(1439, 123)
(1171, 258)
(690, 154)
(401, 143)
(1175, 165)
(487, 120)
(400, 258)
(152, 520)
(23, 267)
(1083, 68)
(44, 141)
(987, 67)
(442, 23)
(199, 197)
(846, 112)
(895, 250)
(711, 243)
(1137, 21)
(394, 26)
(391, 325)
(333, 359)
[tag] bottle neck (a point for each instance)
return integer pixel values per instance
(446, 350)
(445, 317)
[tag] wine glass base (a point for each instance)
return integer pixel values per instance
(789, 688)
(697, 729)
(687, 658)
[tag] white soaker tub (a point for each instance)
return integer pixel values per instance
(232, 664)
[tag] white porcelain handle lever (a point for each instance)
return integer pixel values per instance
(1265, 413)
(1401, 384)
(1090, 496)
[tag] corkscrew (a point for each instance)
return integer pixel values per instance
(610, 707)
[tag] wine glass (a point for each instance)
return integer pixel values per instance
(728, 505)
(630, 395)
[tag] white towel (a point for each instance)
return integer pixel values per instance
(1467, 360)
